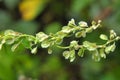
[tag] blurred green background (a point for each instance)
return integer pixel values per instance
(32, 16)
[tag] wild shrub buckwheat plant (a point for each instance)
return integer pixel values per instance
(10, 37)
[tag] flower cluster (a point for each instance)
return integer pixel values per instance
(10, 37)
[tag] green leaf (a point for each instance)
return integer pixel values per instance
(81, 52)
(103, 37)
(52, 28)
(26, 43)
(11, 4)
(90, 46)
(27, 27)
(5, 19)
(41, 36)
(78, 5)
(34, 50)
(45, 44)
(66, 54)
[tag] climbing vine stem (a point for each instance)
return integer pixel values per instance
(98, 51)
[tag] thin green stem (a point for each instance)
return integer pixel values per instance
(62, 47)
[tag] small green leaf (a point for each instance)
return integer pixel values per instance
(66, 54)
(103, 37)
(26, 43)
(45, 44)
(34, 50)
(81, 52)
(49, 51)
(41, 36)
(52, 27)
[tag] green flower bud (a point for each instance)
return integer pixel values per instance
(34, 50)
(103, 37)
(83, 24)
(66, 54)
